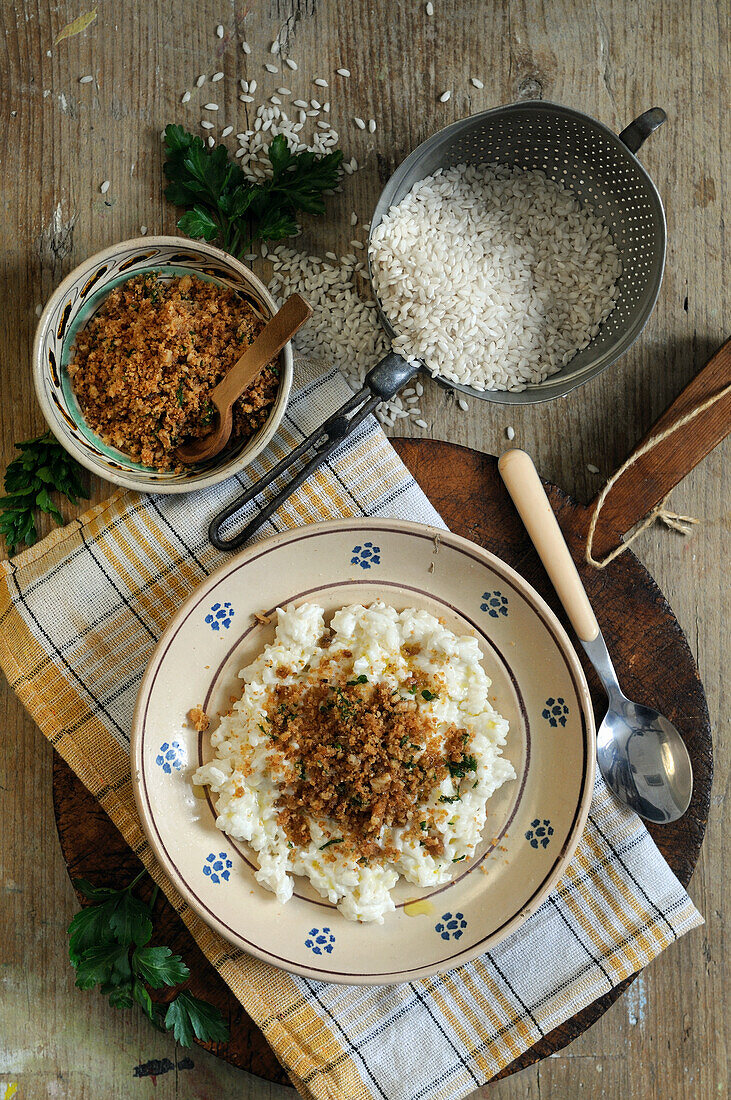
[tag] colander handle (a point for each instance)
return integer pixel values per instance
(639, 131)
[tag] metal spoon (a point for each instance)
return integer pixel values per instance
(639, 752)
(244, 373)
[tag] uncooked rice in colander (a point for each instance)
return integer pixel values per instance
(493, 276)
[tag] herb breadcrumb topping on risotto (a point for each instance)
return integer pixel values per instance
(359, 752)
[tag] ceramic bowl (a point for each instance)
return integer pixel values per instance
(533, 823)
(73, 303)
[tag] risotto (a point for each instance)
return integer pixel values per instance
(358, 753)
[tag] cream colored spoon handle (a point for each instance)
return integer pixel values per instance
(529, 497)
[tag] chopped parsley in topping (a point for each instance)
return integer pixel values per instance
(180, 393)
(423, 825)
(428, 695)
(458, 768)
(458, 859)
(362, 679)
(335, 840)
(301, 770)
(449, 798)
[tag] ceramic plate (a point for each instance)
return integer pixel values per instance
(533, 823)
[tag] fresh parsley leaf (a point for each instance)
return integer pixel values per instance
(225, 206)
(89, 928)
(107, 948)
(130, 921)
(158, 966)
(100, 964)
(335, 840)
(42, 467)
(362, 679)
(458, 859)
(450, 798)
(187, 1017)
(429, 695)
(458, 768)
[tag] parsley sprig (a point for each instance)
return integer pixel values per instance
(228, 207)
(109, 947)
(42, 467)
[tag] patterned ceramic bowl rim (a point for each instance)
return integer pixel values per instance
(68, 302)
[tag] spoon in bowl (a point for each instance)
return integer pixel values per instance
(640, 753)
(245, 371)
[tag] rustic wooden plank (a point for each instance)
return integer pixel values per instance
(613, 59)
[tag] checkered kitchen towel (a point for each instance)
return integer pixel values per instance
(81, 613)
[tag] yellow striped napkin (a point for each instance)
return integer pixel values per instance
(81, 613)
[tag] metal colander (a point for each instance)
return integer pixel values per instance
(601, 169)
(571, 148)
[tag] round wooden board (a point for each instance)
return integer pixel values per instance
(651, 656)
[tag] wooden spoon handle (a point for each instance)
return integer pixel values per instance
(648, 480)
(529, 497)
(268, 343)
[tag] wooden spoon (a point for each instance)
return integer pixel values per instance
(243, 374)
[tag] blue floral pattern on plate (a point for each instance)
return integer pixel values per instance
(540, 833)
(494, 603)
(451, 926)
(220, 615)
(319, 940)
(217, 867)
(366, 555)
(171, 755)
(555, 711)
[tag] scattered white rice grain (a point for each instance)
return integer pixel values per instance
(284, 91)
(357, 244)
(275, 99)
(206, 124)
(354, 218)
(477, 83)
(300, 103)
(246, 47)
(291, 64)
(143, 230)
(219, 30)
(275, 47)
(445, 96)
(592, 468)
(359, 123)
(210, 106)
(419, 389)
(315, 104)
(510, 432)
(251, 256)
(421, 423)
(270, 68)
(430, 8)
(463, 404)
(226, 131)
(343, 72)
(200, 81)
(320, 82)
(323, 125)
(326, 106)
(244, 85)
(185, 98)
(85, 79)
(246, 98)
(104, 187)
(372, 125)
(211, 142)
(252, 86)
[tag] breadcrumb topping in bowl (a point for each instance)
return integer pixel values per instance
(144, 365)
(68, 313)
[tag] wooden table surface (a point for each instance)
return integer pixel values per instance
(60, 139)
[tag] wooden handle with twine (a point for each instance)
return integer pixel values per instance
(638, 492)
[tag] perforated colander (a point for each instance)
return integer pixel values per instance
(600, 167)
(573, 149)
